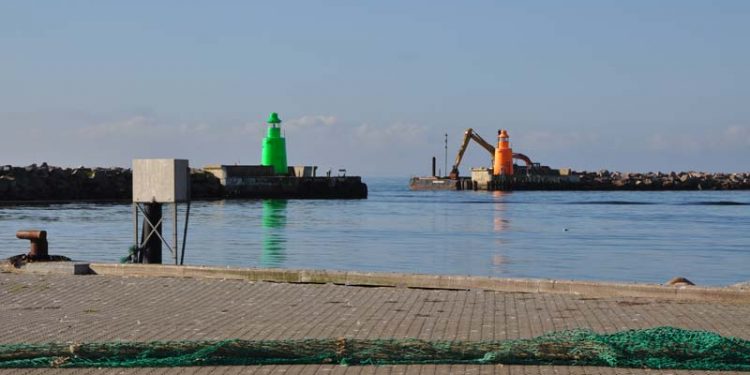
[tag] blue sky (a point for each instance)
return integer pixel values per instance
(374, 86)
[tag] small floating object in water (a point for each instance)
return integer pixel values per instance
(565, 229)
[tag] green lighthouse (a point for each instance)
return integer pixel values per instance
(274, 146)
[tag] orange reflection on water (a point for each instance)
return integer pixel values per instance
(499, 222)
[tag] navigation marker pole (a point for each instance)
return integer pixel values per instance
(445, 167)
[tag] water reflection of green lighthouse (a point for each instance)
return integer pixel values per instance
(274, 237)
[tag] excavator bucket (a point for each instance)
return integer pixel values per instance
(454, 174)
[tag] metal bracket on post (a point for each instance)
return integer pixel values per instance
(178, 254)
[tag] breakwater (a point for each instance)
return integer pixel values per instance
(49, 183)
(602, 180)
(606, 180)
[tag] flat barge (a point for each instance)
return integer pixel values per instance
(482, 179)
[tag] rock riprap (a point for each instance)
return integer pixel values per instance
(606, 180)
(44, 182)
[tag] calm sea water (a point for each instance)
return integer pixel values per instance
(613, 236)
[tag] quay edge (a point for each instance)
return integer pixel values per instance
(592, 289)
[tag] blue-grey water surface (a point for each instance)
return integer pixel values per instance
(613, 236)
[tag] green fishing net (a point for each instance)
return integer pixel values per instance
(657, 348)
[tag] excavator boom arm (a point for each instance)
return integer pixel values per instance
(483, 143)
(469, 135)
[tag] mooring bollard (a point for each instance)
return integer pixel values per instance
(38, 238)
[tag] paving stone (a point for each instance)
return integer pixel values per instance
(38, 308)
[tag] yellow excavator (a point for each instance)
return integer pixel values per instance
(469, 134)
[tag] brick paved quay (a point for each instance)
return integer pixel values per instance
(42, 308)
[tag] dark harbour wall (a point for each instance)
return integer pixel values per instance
(606, 180)
(617, 181)
(596, 181)
(48, 183)
(52, 183)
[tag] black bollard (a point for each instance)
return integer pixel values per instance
(150, 251)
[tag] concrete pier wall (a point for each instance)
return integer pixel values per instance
(295, 187)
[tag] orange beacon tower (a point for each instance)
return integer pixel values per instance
(503, 155)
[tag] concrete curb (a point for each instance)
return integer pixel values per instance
(377, 279)
(54, 267)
